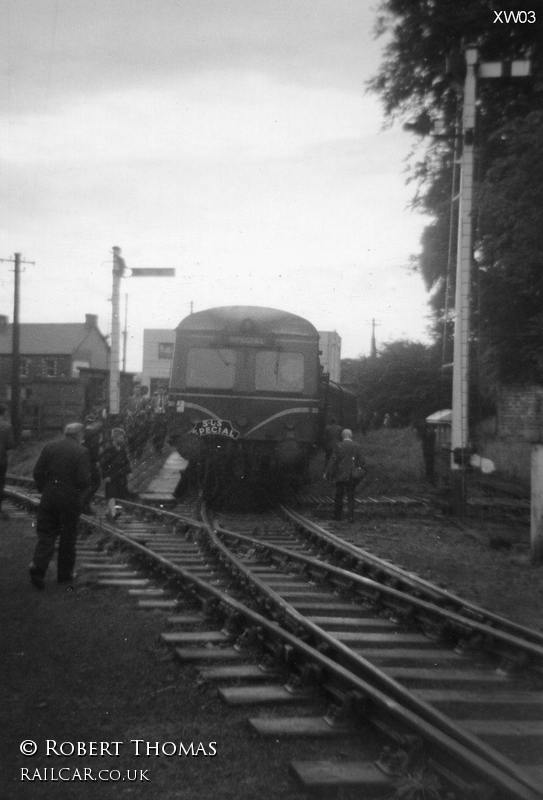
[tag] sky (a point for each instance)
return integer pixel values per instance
(232, 140)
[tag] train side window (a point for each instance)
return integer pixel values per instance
(211, 368)
(277, 371)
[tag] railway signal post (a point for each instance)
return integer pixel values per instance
(119, 269)
(460, 422)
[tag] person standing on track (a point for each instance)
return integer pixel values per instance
(116, 469)
(92, 439)
(62, 475)
(7, 442)
(343, 468)
(331, 436)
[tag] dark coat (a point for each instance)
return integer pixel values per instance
(64, 466)
(116, 467)
(93, 443)
(331, 436)
(6, 441)
(345, 455)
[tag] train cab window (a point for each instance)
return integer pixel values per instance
(279, 372)
(211, 368)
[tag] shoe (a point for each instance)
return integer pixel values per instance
(36, 578)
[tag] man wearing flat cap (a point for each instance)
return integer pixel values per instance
(62, 475)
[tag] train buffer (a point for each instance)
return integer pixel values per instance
(161, 488)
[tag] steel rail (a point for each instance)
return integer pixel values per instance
(449, 745)
(398, 573)
(358, 663)
(443, 747)
(402, 597)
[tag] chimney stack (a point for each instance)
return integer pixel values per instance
(91, 320)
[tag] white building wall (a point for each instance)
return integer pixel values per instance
(330, 347)
(157, 342)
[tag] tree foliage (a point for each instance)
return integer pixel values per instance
(420, 82)
(404, 381)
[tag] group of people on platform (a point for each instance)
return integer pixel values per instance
(70, 470)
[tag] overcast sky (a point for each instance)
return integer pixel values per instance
(230, 139)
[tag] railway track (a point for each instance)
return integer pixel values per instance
(453, 691)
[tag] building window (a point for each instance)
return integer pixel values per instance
(165, 350)
(76, 365)
(49, 367)
(24, 367)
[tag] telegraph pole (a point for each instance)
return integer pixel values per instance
(16, 352)
(15, 347)
(373, 349)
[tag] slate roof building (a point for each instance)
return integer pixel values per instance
(54, 349)
(64, 369)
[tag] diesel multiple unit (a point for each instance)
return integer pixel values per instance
(247, 398)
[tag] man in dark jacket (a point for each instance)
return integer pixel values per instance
(116, 468)
(6, 443)
(92, 439)
(62, 475)
(331, 436)
(344, 463)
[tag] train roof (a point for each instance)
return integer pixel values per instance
(248, 320)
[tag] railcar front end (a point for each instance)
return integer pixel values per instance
(244, 401)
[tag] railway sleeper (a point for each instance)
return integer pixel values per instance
(511, 663)
(250, 638)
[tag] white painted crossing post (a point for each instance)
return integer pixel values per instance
(460, 391)
(459, 420)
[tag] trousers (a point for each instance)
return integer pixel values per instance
(344, 488)
(58, 514)
(3, 470)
